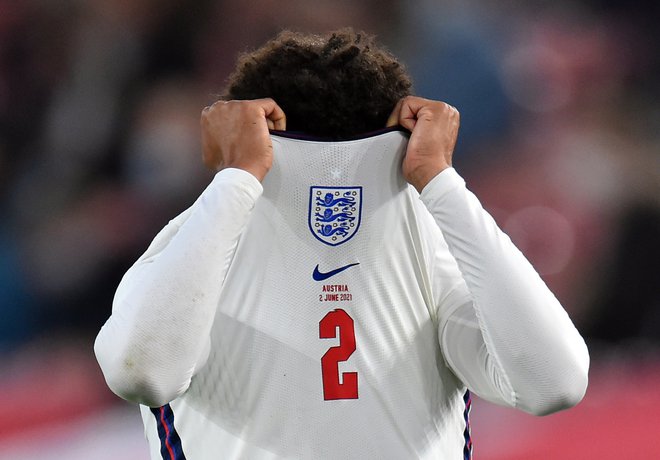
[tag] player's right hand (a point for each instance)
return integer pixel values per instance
(235, 135)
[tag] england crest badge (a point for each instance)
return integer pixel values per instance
(334, 213)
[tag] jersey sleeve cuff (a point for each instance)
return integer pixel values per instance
(242, 179)
(442, 184)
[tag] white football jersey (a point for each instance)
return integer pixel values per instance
(325, 341)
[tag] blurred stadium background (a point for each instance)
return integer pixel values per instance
(99, 109)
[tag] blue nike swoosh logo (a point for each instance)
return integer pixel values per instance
(319, 276)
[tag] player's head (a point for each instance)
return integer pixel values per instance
(336, 85)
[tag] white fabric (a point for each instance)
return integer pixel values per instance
(530, 355)
(221, 315)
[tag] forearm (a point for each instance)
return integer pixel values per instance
(166, 303)
(532, 355)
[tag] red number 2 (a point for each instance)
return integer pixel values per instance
(333, 386)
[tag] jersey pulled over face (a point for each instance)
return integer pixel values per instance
(325, 341)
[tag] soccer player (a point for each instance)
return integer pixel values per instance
(335, 292)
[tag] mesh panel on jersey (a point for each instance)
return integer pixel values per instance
(263, 379)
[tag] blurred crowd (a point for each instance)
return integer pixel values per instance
(99, 139)
(99, 148)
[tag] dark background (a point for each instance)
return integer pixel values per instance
(99, 148)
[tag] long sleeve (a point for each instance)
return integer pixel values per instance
(511, 342)
(158, 333)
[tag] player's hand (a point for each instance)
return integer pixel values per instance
(235, 135)
(434, 127)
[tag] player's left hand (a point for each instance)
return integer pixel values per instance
(434, 127)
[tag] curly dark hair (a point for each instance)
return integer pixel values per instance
(334, 86)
